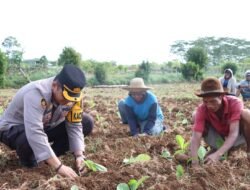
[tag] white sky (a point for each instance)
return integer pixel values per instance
(125, 31)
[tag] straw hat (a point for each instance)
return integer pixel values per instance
(210, 86)
(137, 85)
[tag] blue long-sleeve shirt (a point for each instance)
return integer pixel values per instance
(148, 110)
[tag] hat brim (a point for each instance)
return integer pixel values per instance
(206, 94)
(136, 89)
(76, 97)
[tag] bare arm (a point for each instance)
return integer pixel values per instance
(238, 92)
(232, 136)
(195, 143)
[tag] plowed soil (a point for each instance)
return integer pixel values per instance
(110, 143)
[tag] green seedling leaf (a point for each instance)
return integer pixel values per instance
(122, 186)
(202, 153)
(186, 145)
(182, 144)
(100, 168)
(166, 154)
(179, 152)
(184, 122)
(139, 158)
(179, 171)
(74, 187)
(140, 181)
(94, 166)
(132, 184)
(219, 142)
(180, 141)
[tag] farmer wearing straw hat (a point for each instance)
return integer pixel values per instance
(140, 110)
(244, 87)
(219, 116)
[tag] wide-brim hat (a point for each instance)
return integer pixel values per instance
(73, 81)
(136, 85)
(210, 87)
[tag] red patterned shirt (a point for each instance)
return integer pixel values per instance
(232, 108)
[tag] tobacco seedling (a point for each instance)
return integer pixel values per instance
(201, 154)
(183, 146)
(219, 142)
(94, 166)
(91, 104)
(179, 172)
(166, 154)
(74, 187)
(139, 158)
(133, 184)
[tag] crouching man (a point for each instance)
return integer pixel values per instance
(219, 116)
(45, 120)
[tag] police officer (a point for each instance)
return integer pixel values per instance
(45, 119)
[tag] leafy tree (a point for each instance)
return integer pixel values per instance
(218, 49)
(101, 73)
(198, 56)
(190, 71)
(13, 51)
(3, 66)
(43, 62)
(143, 70)
(69, 56)
(229, 65)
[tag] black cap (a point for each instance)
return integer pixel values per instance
(73, 81)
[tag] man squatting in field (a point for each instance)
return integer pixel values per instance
(219, 116)
(46, 112)
(141, 110)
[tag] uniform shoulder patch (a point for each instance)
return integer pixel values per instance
(75, 114)
(43, 103)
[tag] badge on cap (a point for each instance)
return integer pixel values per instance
(43, 103)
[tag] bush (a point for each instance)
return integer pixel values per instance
(3, 67)
(191, 71)
(229, 65)
(101, 73)
(197, 55)
(143, 71)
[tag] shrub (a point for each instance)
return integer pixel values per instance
(101, 73)
(229, 65)
(143, 71)
(191, 71)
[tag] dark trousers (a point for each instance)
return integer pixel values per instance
(16, 139)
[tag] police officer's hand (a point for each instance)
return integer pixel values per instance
(80, 163)
(67, 172)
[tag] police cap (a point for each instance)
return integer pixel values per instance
(73, 81)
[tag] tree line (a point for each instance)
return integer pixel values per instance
(194, 58)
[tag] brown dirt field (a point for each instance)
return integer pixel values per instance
(110, 143)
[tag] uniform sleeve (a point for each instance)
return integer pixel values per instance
(74, 128)
(199, 123)
(33, 114)
(75, 135)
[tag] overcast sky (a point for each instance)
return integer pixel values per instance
(125, 31)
